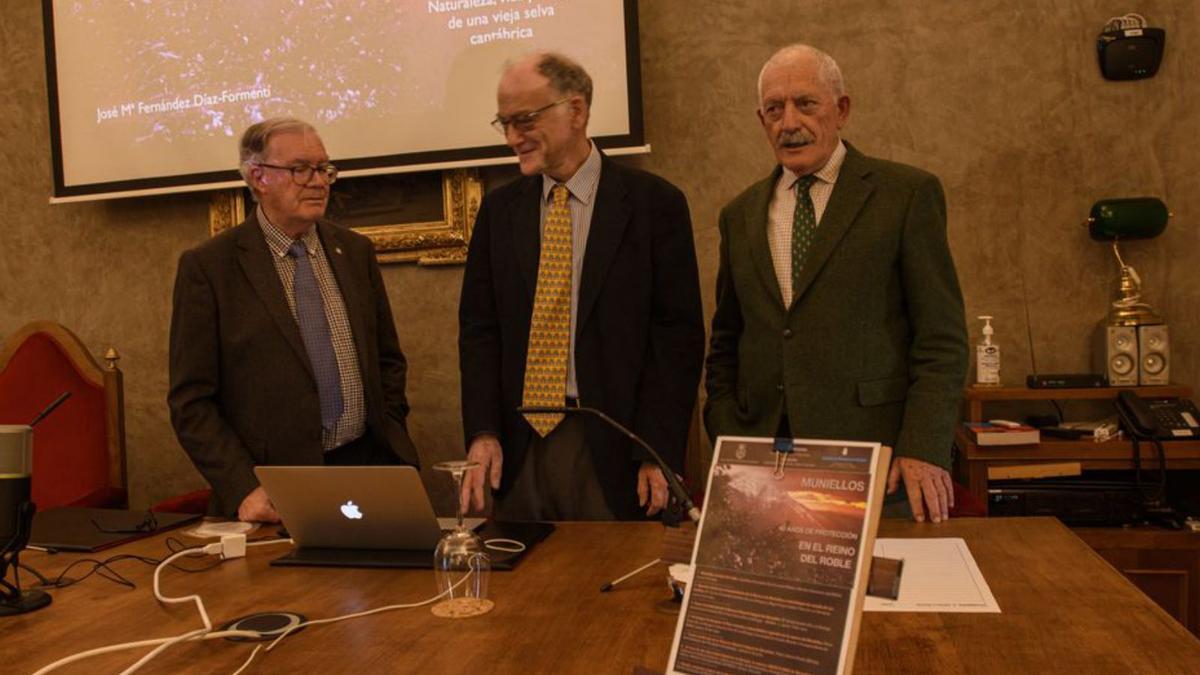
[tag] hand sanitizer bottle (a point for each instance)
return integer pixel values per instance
(987, 357)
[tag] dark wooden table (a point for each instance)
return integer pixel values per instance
(1064, 610)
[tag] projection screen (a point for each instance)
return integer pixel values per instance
(150, 96)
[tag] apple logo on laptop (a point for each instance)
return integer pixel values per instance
(350, 510)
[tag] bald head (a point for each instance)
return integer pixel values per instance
(543, 105)
(794, 55)
(563, 74)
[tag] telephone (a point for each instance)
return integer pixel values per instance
(1163, 419)
(1156, 420)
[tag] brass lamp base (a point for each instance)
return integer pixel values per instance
(1133, 316)
(1128, 309)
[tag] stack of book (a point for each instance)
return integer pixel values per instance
(986, 433)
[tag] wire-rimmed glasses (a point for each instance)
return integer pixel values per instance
(303, 173)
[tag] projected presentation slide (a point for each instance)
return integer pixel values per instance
(152, 90)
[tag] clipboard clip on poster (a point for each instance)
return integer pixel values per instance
(783, 449)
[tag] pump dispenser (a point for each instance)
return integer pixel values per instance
(987, 357)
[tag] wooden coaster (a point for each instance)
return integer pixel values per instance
(462, 608)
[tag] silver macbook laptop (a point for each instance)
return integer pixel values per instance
(355, 507)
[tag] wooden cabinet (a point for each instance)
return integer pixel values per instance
(972, 461)
(1164, 564)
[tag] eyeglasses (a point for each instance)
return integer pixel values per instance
(303, 173)
(149, 524)
(524, 122)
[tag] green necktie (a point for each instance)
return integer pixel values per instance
(804, 223)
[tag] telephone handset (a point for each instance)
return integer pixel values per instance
(1158, 418)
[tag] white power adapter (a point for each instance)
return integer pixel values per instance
(233, 546)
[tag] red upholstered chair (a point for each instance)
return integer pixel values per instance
(79, 449)
(192, 502)
(966, 504)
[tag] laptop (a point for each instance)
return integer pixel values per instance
(368, 516)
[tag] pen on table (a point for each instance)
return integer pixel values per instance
(608, 587)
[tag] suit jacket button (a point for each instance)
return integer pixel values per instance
(787, 332)
(779, 387)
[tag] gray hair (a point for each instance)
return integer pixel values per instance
(256, 137)
(565, 75)
(828, 71)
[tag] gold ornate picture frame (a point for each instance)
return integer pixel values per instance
(436, 232)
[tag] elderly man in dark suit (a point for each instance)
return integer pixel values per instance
(839, 313)
(580, 289)
(283, 349)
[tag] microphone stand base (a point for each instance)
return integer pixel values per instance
(668, 606)
(24, 602)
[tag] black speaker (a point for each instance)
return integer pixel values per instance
(1130, 53)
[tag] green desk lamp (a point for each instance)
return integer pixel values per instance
(1132, 218)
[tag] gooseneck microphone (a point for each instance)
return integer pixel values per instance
(50, 408)
(673, 483)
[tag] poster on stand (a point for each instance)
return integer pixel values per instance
(782, 557)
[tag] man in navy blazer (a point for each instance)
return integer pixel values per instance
(283, 349)
(637, 334)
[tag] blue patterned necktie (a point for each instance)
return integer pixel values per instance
(314, 330)
(804, 223)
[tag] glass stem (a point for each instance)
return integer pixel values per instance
(458, 480)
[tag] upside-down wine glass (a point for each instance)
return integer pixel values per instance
(461, 563)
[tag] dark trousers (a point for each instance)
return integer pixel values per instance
(362, 451)
(557, 481)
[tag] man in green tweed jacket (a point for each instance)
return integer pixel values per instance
(839, 313)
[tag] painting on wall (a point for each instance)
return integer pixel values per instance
(424, 218)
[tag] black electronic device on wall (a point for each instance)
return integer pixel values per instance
(1129, 49)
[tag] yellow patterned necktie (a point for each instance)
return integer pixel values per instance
(550, 328)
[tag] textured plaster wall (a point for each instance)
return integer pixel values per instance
(1002, 100)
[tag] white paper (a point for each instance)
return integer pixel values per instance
(939, 575)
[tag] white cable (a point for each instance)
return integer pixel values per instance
(141, 643)
(210, 549)
(1131, 20)
(247, 663)
(378, 610)
(268, 542)
(161, 644)
(504, 545)
(206, 633)
(163, 647)
(231, 546)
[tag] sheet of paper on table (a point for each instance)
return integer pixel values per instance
(939, 575)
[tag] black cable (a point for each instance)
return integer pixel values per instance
(1061, 417)
(42, 580)
(1137, 464)
(1162, 471)
(63, 580)
(103, 568)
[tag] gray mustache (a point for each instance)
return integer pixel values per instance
(795, 138)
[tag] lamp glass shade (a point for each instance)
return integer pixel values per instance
(1130, 218)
